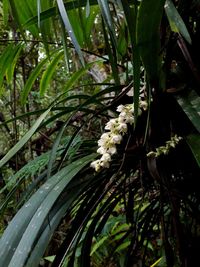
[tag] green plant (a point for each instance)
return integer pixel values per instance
(143, 210)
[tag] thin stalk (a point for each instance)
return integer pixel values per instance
(27, 108)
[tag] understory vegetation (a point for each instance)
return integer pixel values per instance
(99, 133)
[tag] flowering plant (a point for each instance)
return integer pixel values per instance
(116, 129)
(164, 150)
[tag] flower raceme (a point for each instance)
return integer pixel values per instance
(164, 150)
(116, 129)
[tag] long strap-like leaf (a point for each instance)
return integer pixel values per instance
(24, 139)
(69, 29)
(20, 236)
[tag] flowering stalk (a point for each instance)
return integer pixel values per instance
(165, 149)
(116, 129)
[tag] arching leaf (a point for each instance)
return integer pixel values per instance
(69, 29)
(24, 139)
(16, 245)
(32, 78)
(48, 73)
(11, 68)
(78, 74)
(148, 37)
(176, 22)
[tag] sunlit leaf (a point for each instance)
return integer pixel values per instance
(48, 73)
(98, 244)
(32, 78)
(176, 22)
(156, 262)
(50, 258)
(11, 68)
(5, 61)
(5, 11)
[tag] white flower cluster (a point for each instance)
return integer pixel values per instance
(165, 149)
(116, 128)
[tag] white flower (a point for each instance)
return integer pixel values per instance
(120, 108)
(105, 138)
(104, 164)
(112, 150)
(130, 120)
(123, 114)
(106, 157)
(130, 108)
(116, 139)
(96, 165)
(126, 119)
(143, 104)
(116, 129)
(111, 125)
(101, 150)
(125, 109)
(121, 119)
(122, 128)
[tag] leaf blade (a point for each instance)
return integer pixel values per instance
(24, 139)
(69, 29)
(48, 73)
(176, 22)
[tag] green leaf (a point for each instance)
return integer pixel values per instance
(193, 141)
(35, 215)
(105, 10)
(38, 12)
(32, 78)
(11, 67)
(53, 153)
(87, 9)
(190, 103)
(89, 24)
(176, 22)
(131, 15)
(5, 61)
(69, 29)
(77, 21)
(123, 246)
(51, 12)
(24, 139)
(122, 43)
(46, 26)
(148, 37)
(65, 46)
(78, 74)
(17, 16)
(48, 73)
(50, 258)
(111, 50)
(98, 244)
(5, 11)
(156, 263)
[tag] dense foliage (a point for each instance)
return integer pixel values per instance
(100, 146)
